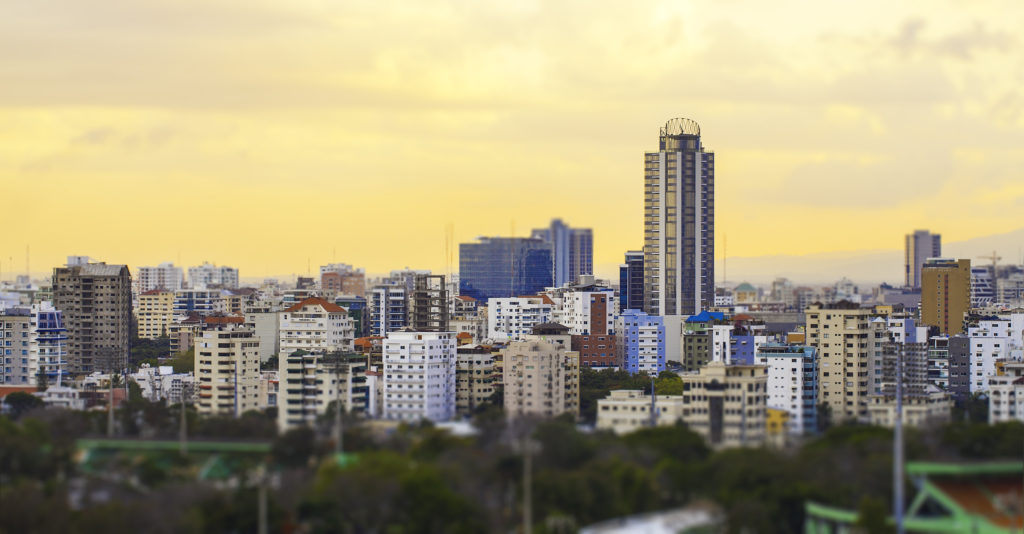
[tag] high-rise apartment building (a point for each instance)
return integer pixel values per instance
(311, 381)
(389, 309)
(165, 276)
(845, 337)
(502, 267)
(631, 281)
(155, 313)
(572, 251)
(419, 376)
(540, 378)
(792, 384)
(640, 341)
(474, 378)
(512, 319)
(918, 247)
(945, 294)
(227, 366)
(679, 222)
(208, 275)
(33, 346)
(96, 300)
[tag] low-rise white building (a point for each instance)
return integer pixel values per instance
(162, 384)
(419, 376)
(512, 319)
(1006, 394)
(627, 410)
(315, 325)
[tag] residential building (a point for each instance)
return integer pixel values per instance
(183, 333)
(923, 403)
(933, 407)
(267, 328)
(161, 384)
(945, 294)
(502, 267)
(209, 276)
(16, 331)
(983, 287)
(627, 410)
(641, 342)
(315, 325)
(419, 376)
(540, 379)
(201, 301)
(726, 404)
(572, 251)
(991, 343)
(631, 281)
(474, 378)
(155, 313)
(1006, 394)
(553, 333)
(792, 384)
(679, 222)
(844, 336)
(343, 279)
(388, 309)
(227, 367)
(513, 318)
(164, 277)
(310, 381)
(96, 301)
(48, 350)
(918, 247)
(358, 310)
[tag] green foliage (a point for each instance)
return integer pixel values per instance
(871, 516)
(272, 364)
(184, 362)
(20, 403)
(149, 349)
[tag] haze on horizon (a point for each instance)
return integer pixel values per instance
(263, 135)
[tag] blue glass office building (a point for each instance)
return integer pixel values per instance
(501, 267)
(631, 281)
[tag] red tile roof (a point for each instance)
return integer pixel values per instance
(316, 301)
(224, 319)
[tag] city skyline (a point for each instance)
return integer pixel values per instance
(387, 111)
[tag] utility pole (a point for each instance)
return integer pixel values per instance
(527, 486)
(654, 409)
(183, 431)
(338, 430)
(110, 406)
(261, 527)
(897, 457)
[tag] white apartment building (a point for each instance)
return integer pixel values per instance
(162, 384)
(315, 325)
(308, 384)
(419, 376)
(721, 343)
(627, 410)
(207, 275)
(165, 277)
(33, 342)
(512, 319)
(792, 384)
(1006, 394)
(227, 367)
(992, 341)
(268, 330)
(577, 307)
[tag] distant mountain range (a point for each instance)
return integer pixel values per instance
(868, 267)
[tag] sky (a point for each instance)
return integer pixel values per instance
(276, 135)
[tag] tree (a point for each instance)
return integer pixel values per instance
(20, 403)
(184, 362)
(871, 516)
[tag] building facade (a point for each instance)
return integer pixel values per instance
(512, 319)
(640, 341)
(227, 367)
(475, 379)
(844, 337)
(572, 251)
(726, 404)
(627, 410)
(165, 277)
(419, 376)
(309, 382)
(96, 301)
(917, 248)
(945, 294)
(540, 379)
(631, 281)
(155, 314)
(315, 325)
(209, 276)
(679, 222)
(792, 384)
(502, 267)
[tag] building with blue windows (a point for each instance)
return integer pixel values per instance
(389, 309)
(631, 281)
(502, 267)
(641, 342)
(572, 251)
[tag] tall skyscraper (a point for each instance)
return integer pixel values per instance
(945, 294)
(572, 251)
(679, 222)
(502, 267)
(918, 247)
(631, 281)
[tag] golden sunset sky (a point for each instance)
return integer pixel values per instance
(263, 135)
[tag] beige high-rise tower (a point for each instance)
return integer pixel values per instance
(846, 339)
(96, 299)
(945, 294)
